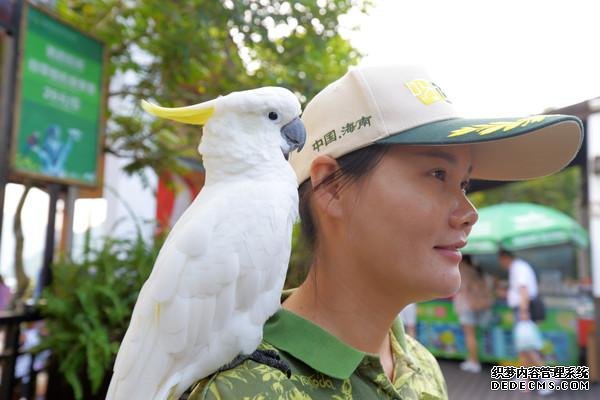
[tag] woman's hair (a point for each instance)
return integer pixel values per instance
(474, 264)
(353, 167)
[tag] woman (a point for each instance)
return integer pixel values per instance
(382, 201)
(473, 304)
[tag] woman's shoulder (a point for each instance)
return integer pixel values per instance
(248, 380)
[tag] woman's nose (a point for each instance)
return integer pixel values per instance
(464, 216)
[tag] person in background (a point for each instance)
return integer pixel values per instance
(522, 288)
(5, 294)
(473, 304)
(409, 319)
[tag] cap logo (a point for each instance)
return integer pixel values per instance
(426, 91)
(346, 128)
(493, 127)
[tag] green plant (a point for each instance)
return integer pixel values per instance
(559, 191)
(88, 307)
(186, 52)
(300, 259)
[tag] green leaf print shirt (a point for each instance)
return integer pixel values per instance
(323, 367)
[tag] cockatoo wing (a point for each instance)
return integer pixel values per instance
(216, 280)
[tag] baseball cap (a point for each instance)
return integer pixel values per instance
(395, 104)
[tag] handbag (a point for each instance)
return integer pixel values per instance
(527, 336)
(537, 309)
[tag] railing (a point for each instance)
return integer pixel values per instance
(10, 324)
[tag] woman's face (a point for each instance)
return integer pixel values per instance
(407, 219)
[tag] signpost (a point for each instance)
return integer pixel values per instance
(9, 14)
(53, 99)
(593, 157)
(57, 132)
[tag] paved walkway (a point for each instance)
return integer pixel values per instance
(467, 386)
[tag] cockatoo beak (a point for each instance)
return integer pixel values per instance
(294, 134)
(197, 114)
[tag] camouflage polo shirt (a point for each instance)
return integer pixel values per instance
(323, 367)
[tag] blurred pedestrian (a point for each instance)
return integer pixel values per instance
(522, 289)
(409, 319)
(473, 304)
(5, 294)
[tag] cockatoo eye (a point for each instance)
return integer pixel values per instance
(273, 116)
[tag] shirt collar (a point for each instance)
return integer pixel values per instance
(315, 346)
(398, 332)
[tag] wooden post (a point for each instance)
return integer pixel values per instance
(45, 277)
(66, 237)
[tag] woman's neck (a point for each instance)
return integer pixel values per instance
(346, 315)
(345, 307)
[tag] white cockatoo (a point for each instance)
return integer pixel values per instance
(220, 272)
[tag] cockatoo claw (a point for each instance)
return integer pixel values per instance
(265, 357)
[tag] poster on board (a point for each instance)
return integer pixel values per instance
(60, 100)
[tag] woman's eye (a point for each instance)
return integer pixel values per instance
(439, 174)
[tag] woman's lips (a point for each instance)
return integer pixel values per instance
(452, 254)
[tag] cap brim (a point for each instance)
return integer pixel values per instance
(505, 148)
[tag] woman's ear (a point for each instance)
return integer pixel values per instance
(325, 196)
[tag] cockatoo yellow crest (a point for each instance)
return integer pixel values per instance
(197, 114)
(219, 274)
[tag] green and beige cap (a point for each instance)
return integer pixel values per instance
(401, 105)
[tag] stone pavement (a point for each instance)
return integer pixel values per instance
(467, 386)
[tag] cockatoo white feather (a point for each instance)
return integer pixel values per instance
(219, 274)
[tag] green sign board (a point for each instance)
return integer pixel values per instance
(60, 103)
(439, 330)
